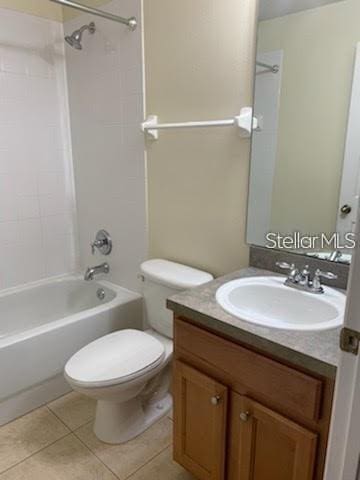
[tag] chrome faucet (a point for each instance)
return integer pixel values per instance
(102, 242)
(92, 271)
(316, 282)
(335, 256)
(294, 272)
(302, 279)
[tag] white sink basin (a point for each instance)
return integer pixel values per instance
(267, 301)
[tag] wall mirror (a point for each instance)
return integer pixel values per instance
(305, 163)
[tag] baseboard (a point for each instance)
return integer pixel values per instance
(32, 398)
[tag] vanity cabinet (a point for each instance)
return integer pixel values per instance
(240, 415)
(201, 417)
(268, 446)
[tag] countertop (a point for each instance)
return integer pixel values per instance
(315, 351)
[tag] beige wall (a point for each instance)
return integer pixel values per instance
(70, 13)
(319, 47)
(199, 61)
(41, 8)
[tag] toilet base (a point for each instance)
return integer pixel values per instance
(120, 422)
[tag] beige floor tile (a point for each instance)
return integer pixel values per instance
(162, 467)
(125, 459)
(74, 409)
(27, 435)
(67, 459)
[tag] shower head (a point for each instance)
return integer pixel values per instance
(74, 40)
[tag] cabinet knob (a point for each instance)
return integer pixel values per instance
(215, 400)
(244, 416)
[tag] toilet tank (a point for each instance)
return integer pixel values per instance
(162, 279)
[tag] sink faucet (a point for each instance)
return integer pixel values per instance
(335, 256)
(92, 271)
(302, 279)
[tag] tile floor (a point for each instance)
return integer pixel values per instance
(56, 442)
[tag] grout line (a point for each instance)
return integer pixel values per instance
(152, 458)
(35, 453)
(69, 432)
(146, 463)
(131, 474)
(73, 433)
(63, 422)
(58, 418)
(43, 405)
(93, 453)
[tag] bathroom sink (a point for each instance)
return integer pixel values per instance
(267, 301)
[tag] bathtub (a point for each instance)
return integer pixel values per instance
(43, 324)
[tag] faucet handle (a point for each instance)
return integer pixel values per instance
(305, 276)
(285, 265)
(96, 244)
(102, 242)
(316, 283)
(294, 274)
(328, 275)
(93, 247)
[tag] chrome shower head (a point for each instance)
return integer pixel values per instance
(74, 40)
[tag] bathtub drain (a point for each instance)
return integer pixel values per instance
(101, 294)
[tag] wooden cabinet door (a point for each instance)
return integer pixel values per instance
(267, 446)
(200, 408)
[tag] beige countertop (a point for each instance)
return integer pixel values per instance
(315, 351)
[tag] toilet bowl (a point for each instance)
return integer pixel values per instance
(114, 370)
(129, 372)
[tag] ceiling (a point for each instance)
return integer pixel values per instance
(279, 8)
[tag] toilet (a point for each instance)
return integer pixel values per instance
(128, 372)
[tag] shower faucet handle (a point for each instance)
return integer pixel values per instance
(94, 245)
(102, 242)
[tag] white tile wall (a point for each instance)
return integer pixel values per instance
(37, 208)
(106, 107)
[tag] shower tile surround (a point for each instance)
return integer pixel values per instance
(106, 109)
(42, 132)
(37, 208)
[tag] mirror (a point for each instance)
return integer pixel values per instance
(305, 162)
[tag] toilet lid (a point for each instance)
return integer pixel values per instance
(115, 358)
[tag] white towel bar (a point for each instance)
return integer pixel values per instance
(245, 122)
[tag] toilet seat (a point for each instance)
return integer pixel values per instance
(116, 358)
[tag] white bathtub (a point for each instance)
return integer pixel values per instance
(42, 325)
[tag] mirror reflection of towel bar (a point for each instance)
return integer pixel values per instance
(271, 68)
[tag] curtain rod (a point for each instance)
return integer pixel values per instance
(130, 22)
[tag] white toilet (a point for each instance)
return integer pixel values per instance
(128, 372)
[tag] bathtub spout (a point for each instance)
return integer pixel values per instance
(92, 271)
